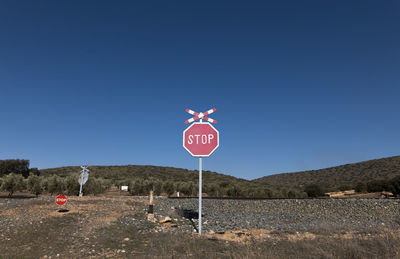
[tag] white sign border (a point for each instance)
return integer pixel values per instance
(183, 143)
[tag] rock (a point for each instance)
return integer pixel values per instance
(165, 219)
(151, 218)
(126, 239)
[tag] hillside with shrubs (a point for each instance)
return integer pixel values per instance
(16, 176)
(169, 180)
(369, 176)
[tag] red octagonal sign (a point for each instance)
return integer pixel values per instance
(61, 199)
(200, 139)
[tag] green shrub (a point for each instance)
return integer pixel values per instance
(361, 187)
(168, 187)
(395, 182)
(72, 185)
(157, 187)
(55, 185)
(234, 191)
(34, 184)
(13, 183)
(96, 186)
(187, 189)
(211, 189)
(314, 190)
(291, 194)
(34, 171)
(137, 188)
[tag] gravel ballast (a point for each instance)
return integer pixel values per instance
(313, 215)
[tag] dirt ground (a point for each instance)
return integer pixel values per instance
(36, 227)
(117, 227)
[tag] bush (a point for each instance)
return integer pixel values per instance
(157, 188)
(291, 194)
(137, 188)
(188, 189)
(395, 182)
(55, 184)
(13, 183)
(234, 191)
(375, 186)
(361, 187)
(314, 190)
(96, 186)
(258, 192)
(34, 171)
(72, 185)
(168, 187)
(211, 189)
(35, 184)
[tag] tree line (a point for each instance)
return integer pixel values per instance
(37, 185)
(219, 189)
(15, 175)
(392, 185)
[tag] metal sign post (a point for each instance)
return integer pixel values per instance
(200, 190)
(200, 140)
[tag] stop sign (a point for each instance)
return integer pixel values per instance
(61, 199)
(200, 139)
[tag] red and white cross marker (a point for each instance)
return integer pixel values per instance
(200, 116)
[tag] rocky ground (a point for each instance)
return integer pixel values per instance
(304, 215)
(117, 226)
(291, 215)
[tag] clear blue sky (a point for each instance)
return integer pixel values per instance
(297, 85)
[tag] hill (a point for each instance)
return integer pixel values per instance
(133, 172)
(371, 176)
(339, 177)
(173, 179)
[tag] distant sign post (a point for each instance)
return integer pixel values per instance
(61, 199)
(200, 139)
(83, 178)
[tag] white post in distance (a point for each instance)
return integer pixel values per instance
(80, 188)
(83, 178)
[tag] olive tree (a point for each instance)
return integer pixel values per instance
(13, 183)
(35, 184)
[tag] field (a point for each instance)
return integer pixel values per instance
(117, 227)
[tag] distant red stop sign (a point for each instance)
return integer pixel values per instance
(61, 199)
(200, 139)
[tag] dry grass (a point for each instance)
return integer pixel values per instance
(91, 229)
(178, 245)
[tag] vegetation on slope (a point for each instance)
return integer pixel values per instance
(370, 176)
(343, 177)
(168, 180)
